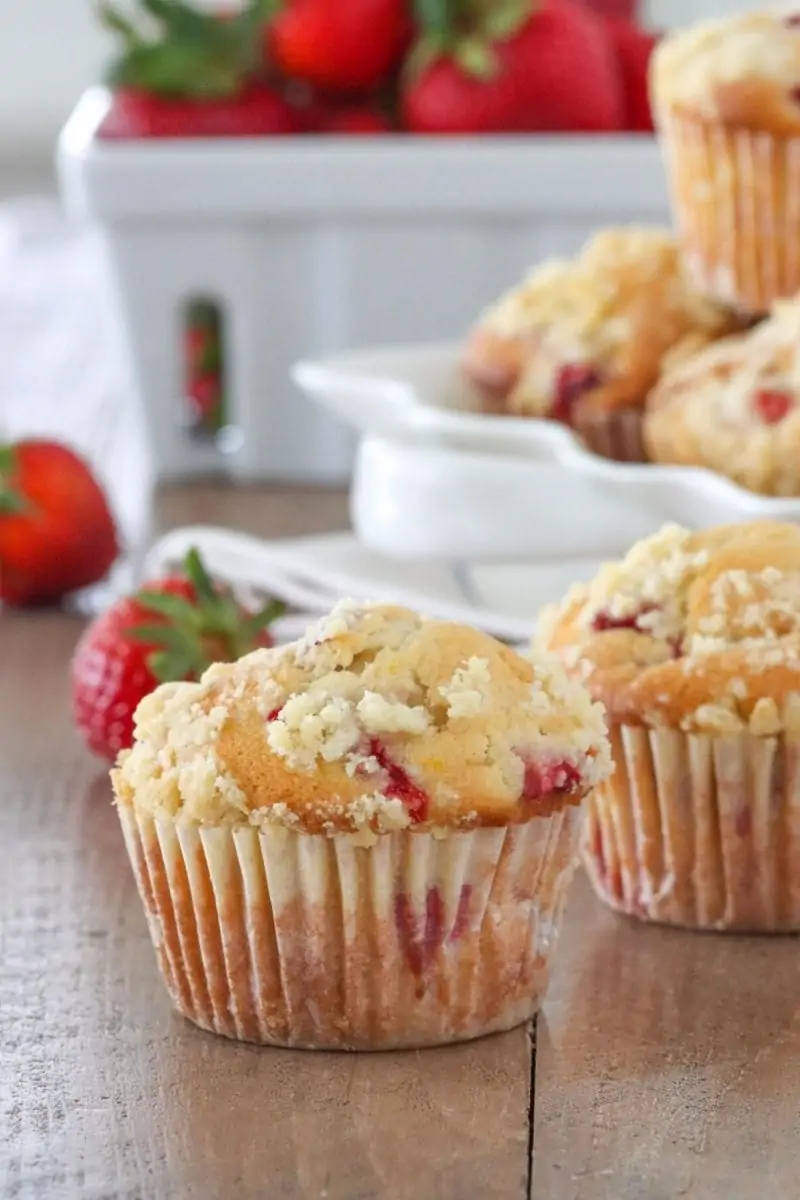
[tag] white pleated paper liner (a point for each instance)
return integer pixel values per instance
(294, 939)
(699, 831)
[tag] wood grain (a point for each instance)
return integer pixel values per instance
(667, 1065)
(104, 1093)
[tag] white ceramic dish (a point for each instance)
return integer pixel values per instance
(435, 477)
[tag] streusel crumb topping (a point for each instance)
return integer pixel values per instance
(741, 69)
(376, 720)
(593, 330)
(695, 630)
(735, 407)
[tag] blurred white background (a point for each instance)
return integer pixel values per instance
(51, 49)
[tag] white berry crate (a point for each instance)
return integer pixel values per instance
(312, 246)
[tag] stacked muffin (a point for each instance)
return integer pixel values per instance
(584, 341)
(619, 342)
(726, 95)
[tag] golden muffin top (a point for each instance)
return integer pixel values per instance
(376, 720)
(697, 631)
(742, 70)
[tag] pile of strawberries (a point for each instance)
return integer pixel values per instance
(370, 67)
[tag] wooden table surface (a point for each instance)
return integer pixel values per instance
(663, 1065)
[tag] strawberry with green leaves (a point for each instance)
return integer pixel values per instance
(511, 66)
(57, 534)
(173, 629)
(197, 75)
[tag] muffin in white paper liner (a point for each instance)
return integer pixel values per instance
(699, 830)
(736, 197)
(304, 940)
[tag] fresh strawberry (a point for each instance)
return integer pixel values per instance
(354, 121)
(204, 393)
(634, 47)
(340, 45)
(56, 530)
(254, 111)
(203, 338)
(627, 9)
(522, 66)
(325, 112)
(196, 76)
(173, 629)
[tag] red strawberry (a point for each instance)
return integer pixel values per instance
(605, 620)
(525, 67)
(203, 338)
(174, 629)
(772, 405)
(196, 76)
(56, 530)
(366, 122)
(633, 47)
(204, 393)
(548, 779)
(341, 45)
(627, 9)
(254, 111)
(399, 784)
(574, 380)
(323, 112)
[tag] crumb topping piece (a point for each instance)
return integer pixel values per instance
(697, 630)
(375, 720)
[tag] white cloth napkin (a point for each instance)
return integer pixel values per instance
(310, 574)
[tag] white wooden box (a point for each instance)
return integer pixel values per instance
(313, 246)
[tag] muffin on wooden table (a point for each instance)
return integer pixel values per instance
(363, 839)
(726, 98)
(583, 341)
(735, 408)
(692, 642)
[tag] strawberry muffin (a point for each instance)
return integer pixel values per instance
(735, 408)
(363, 839)
(692, 643)
(583, 341)
(726, 97)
